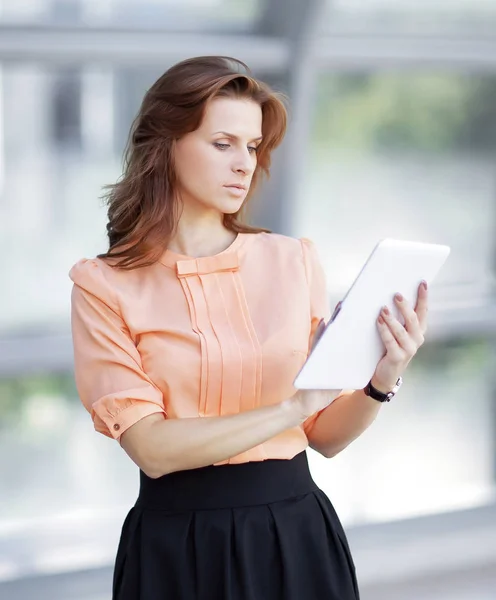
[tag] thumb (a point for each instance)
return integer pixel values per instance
(318, 332)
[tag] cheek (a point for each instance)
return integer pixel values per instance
(196, 171)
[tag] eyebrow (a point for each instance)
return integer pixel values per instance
(235, 137)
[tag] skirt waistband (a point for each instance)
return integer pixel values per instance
(227, 486)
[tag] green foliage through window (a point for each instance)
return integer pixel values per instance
(412, 112)
(15, 392)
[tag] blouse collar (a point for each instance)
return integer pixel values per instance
(227, 260)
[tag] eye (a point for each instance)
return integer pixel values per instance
(253, 149)
(221, 146)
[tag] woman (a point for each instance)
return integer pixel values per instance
(188, 334)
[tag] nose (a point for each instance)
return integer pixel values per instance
(243, 164)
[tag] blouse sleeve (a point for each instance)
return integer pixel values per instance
(109, 376)
(319, 300)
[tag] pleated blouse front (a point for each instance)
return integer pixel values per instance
(198, 337)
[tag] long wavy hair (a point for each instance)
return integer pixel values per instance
(143, 206)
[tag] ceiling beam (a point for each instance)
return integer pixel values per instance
(362, 52)
(270, 49)
(69, 45)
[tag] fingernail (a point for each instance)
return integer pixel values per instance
(385, 310)
(424, 284)
(381, 320)
(399, 297)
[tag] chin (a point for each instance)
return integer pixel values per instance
(232, 211)
(231, 208)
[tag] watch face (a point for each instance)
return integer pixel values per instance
(394, 391)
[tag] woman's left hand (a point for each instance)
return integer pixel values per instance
(401, 342)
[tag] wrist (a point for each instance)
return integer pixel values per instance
(383, 396)
(381, 386)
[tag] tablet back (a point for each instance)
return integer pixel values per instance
(348, 351)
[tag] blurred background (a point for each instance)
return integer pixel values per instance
(393, 134)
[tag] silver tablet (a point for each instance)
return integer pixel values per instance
(347, 353)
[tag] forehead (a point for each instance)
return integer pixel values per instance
(241, 117)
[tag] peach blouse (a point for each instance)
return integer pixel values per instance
(190, 337)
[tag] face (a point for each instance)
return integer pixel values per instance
(215, 163)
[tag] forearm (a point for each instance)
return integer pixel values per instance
(342, 422)
(166, 445)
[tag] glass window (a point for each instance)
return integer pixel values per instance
(51, 460)
(411, 156)
(408, 156)
(391, 155)
(412, 16)
(430, 450)
(64, 131)
(61, 140)
(62, 135)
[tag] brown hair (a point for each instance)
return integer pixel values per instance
(143, 208)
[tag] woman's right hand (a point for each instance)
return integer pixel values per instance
(308, 402)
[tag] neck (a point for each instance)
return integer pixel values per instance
(201, 239)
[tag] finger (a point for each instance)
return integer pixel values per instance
(318, 332)
(399, 332)
(412, 324)
(422, 306)
(337, 308)
(393, 349)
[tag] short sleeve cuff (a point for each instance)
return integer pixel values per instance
(120, 411)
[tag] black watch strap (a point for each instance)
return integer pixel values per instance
(371, 391)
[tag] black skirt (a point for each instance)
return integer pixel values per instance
(251, 531)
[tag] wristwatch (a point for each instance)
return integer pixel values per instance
(379, 396)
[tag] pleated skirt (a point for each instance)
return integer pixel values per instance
(251, 531)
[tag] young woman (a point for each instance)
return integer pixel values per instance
(188, 334)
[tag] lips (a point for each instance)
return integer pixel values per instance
(238, 186)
